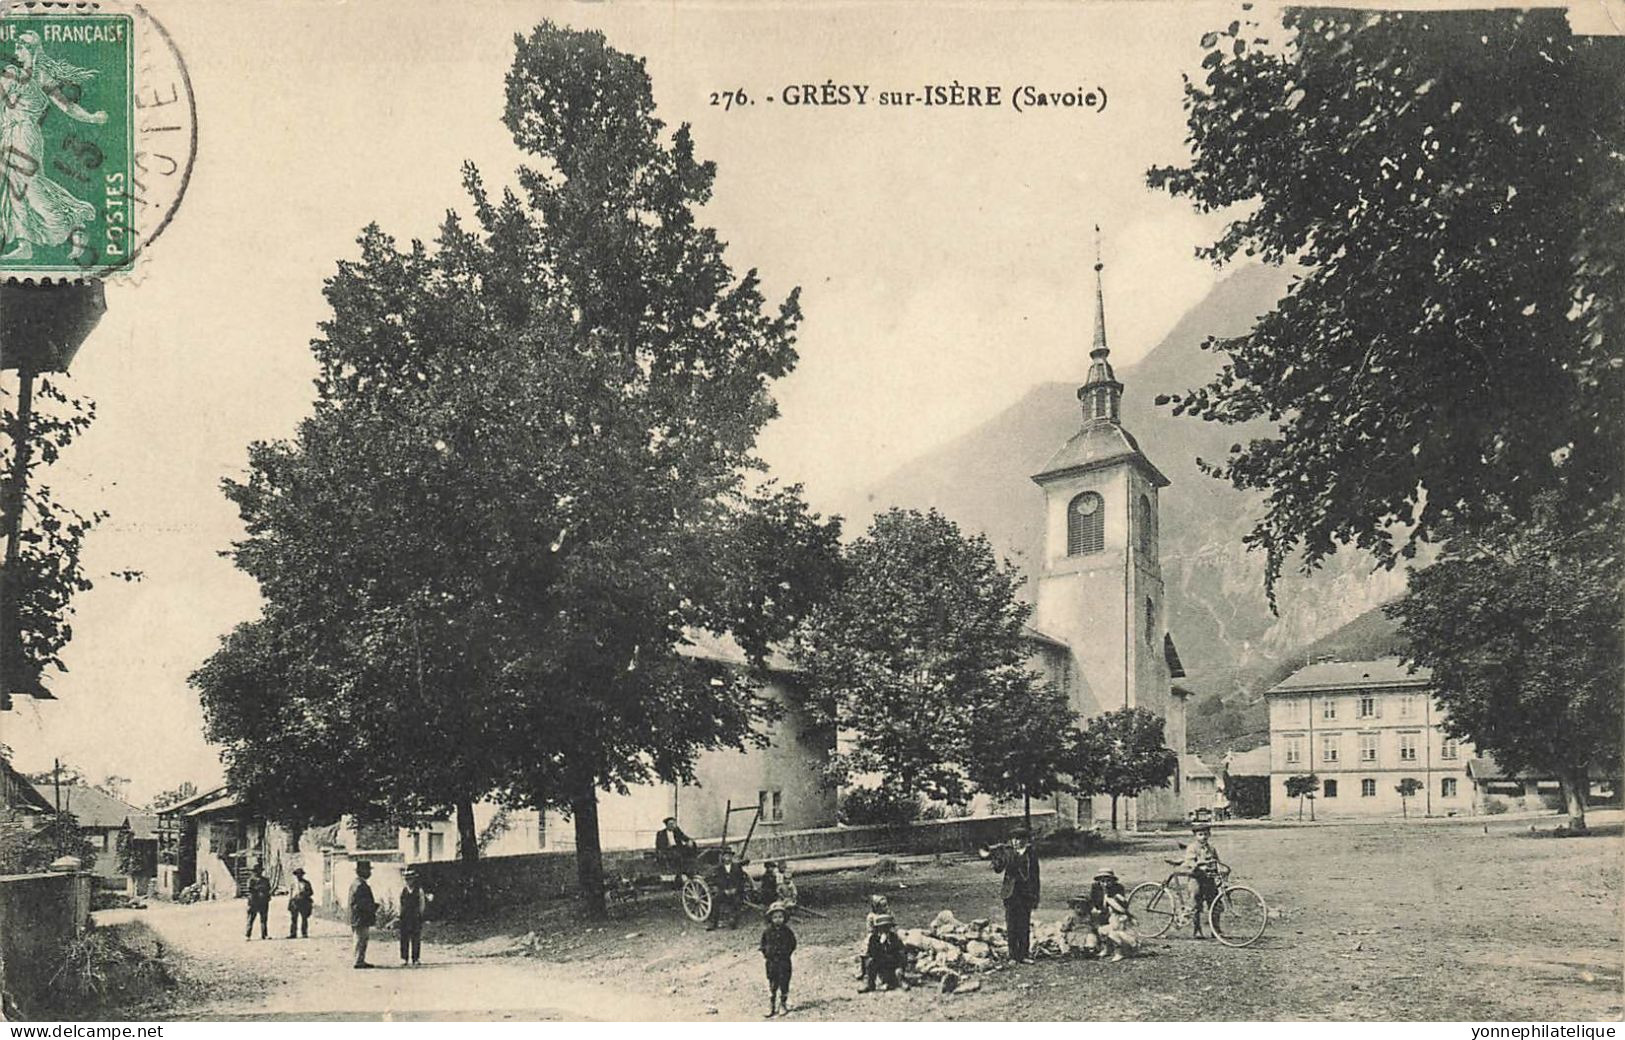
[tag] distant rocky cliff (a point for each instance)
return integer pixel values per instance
(1228, 639)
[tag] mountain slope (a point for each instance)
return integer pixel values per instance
(1227, 637)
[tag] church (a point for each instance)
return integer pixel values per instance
(1099, 620)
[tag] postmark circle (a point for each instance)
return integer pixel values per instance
(98, 137)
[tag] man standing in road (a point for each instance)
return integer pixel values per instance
(301, 900)
(259, 901)
(414, 901)
(363, 911)
(1020, 893)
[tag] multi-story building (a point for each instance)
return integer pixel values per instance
(1362, 728)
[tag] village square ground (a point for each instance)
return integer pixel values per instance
(1476, 920)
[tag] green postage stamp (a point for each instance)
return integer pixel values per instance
(67, 143)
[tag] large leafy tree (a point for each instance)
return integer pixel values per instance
(1450, 185)
(1121, 753)
(920, 659)
(1523, 628)
(525, 479)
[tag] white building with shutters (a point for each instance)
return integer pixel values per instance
(1362, 728)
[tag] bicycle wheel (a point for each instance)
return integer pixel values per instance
(1238, 916)
(1153, 907)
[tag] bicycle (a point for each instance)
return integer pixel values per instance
(1237, 916)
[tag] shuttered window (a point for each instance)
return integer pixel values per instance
(1085, 524)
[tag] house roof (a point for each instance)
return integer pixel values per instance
(91, 807)
(1095, 445)
(1040, 636)
(20, 793)
(1248, 763)
(226, 800)
(143, 826)
(725, 649)
(1352, 675)
(190, 803)
(1195, 767)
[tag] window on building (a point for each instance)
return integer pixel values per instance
(1368, 788)
(1368, 706)
(1085, 524)
(1328, 708)
(1407, 747)
(437, 846)
(1294, 751)
(417, 845)
(1447, 787)
(1328, 749)
(1450, 749)
(1150, 620)
(1368, 747)
(1407, 706)
(1148, 526)
(1329, 789)
(772, 805)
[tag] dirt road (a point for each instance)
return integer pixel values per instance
(1475, 920)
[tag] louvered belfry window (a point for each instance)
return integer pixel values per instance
(1085, 524)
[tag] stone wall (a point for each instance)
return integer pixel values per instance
(507, 881)
(38, 914)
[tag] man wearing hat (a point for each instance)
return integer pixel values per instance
(301, 900)
(778, 944)
(672, 846)
(363, 912)
(1202, 861)
(414, 901)
(259, 901)
(1019, 890)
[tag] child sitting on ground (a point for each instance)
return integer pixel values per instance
(1109, 905)
(885, 957)
(1079, 931)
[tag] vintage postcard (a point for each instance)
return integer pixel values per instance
(812, 512)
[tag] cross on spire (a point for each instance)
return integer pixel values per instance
(1101, 393)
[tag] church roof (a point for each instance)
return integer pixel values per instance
(1352, 675)
(1098, 444)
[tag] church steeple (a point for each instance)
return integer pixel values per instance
(1101, 393)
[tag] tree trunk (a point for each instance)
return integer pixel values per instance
(1311, 810)
(468, 842)
(1300, 808)
(1114, 812)
(589, 855)
(1027, 810)
(1576, 787)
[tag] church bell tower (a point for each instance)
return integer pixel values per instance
(1100, 590)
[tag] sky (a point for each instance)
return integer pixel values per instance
(944, 256)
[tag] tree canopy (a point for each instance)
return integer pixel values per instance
(920, 658)
(1523, 630)
(527, 475)
(1121, 753)
(1449, 185)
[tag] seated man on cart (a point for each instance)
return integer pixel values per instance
(673, 849)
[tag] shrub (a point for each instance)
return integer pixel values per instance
(1494, 808)
(861, 806)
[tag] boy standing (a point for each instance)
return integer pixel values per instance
(1202, 861)
(778, 944)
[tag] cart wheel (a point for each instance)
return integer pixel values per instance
(697, 900)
